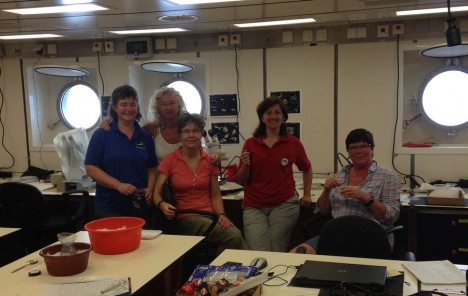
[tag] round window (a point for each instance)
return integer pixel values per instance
(443, 99)
(79, 106)
(190, 92)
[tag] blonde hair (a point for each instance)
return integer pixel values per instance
(153, 110)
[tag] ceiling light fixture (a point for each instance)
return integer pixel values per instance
(430, 11)
(191, 2)
(166, 67)
(61, 71)
(178, 18)
(72, 8)
(146, 31)
(276, 23)
(454, 46)
(30, 36)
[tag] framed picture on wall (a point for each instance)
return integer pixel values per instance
(294, 128)
(292, 100)
(227, 132)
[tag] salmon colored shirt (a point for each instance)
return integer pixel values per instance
(189, 190)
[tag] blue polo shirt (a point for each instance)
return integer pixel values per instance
(124, 159)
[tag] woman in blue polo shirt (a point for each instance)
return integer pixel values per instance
(123, 161)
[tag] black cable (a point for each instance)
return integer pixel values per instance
(2, 98)
(229, 163)
(100, 74)
(397, 118)
(278, 276)
(37, 113)
(338, 155)
(238, 91)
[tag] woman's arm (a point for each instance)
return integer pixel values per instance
(323, 202)
(158, 201)
(306, 199)
(150, 185)
(217, 202)
(104, 179)
(243, 174)
(152, 128)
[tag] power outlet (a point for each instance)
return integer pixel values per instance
(235, 39)
(109, 46)
(223, 40)
(398, 29)
(97, 46)
(383, 31)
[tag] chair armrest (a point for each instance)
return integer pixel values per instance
(210, 215)
(82, 206)
(393, 229)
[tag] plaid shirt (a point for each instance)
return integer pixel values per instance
(383, 185)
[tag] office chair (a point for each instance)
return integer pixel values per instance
(205, 251)
(23, 205)
(355, 236)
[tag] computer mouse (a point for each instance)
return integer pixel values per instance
(259, 262)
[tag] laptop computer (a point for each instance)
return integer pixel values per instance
(329, 274)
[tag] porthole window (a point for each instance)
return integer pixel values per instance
(444, 98)
(190, 92)
(78, 105)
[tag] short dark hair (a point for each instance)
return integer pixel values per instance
(187, 118)
(120, 93)
(360, 135)
(263, 107)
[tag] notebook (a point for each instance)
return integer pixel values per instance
(329, 274)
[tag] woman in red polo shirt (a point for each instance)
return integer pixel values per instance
(193, 180)
(271, 203)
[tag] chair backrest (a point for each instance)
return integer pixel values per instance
(354, 236)
(23, 205)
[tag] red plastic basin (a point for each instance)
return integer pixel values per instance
(115, 235)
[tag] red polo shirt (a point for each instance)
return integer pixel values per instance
(189, 190)
(271, 173)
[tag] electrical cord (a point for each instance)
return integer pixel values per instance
(99, 71)
(2, 126)
(397, 117)
(37, 113)
(229, 163)
(278, 276)
(237, 89)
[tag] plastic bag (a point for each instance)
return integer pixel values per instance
(71, 147)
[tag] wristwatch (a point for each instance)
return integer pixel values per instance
(369, 203)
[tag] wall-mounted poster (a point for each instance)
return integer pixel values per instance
(294, 128)
(292, 100)
(227, 132)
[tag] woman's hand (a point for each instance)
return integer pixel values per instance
(245, 157)
(353, 192)
(126, 189)
(332, 182)
(168, 210)
(148, 195)
(105, 124)
(306, 200)
(224, 221)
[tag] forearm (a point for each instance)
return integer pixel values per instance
(243, 174)
(216, 199)
(151, 179)
(323, 202)
(101, 177)
(307, 181)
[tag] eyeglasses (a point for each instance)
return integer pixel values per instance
(187, 132)
(359, 147)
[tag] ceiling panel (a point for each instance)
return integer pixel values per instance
(135, 14)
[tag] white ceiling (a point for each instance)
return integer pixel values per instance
(144, 14)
